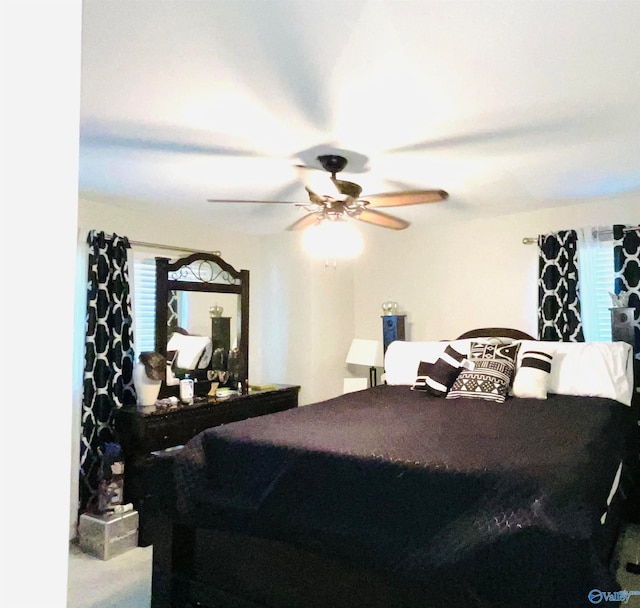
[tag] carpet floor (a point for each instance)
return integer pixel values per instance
(123, 581)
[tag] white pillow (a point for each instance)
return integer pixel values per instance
(193, 351)
(402, 359)
(532, 377)
(589, 369)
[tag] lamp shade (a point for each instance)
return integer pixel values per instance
(333, 239)
(365, 352)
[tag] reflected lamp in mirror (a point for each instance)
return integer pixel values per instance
(367, 353)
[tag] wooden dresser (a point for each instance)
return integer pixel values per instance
(150, 440)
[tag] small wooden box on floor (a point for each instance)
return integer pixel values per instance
(106, 536)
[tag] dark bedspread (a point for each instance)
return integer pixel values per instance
(482, 504)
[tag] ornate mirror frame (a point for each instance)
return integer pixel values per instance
(212, 274)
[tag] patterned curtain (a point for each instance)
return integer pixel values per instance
(558, 289)
(109, 357)
(626, 265)
(172, 314)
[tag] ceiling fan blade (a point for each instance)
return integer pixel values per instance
(156, 137)
(409, 197)
(232, 200)
(382, 219)
(347, 188)
(305, 221)
(164, 145)
(316, 199)
(536, 131)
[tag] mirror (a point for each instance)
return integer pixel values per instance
(197, 312)
(202, 321)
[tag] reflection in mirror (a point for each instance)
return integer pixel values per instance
(203, 330)
(195, 313)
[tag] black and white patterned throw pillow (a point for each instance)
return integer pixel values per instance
(420, 384)
(444, 372)
(493, 368)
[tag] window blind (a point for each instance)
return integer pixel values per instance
(596, 281)
(144, 304)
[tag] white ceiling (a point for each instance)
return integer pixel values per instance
(508, 106)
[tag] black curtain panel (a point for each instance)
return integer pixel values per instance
(626, 265)
(109, 356)
(558, 288)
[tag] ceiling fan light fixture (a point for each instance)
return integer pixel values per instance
(333, 239)
(345, 203)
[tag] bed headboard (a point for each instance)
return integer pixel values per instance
(496, 332)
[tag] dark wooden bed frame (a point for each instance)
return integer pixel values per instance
(496, 332)
(211, 568)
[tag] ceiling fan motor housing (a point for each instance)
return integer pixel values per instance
(332, 162)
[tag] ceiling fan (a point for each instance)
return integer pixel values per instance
(345, 200)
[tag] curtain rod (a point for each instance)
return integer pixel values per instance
(167, 247)
(532, 240)
(171, 247)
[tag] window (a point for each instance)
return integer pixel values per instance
(144, 303)
(595, 259)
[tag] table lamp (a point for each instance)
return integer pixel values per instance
(367, 353)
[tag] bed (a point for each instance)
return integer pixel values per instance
(403, 496)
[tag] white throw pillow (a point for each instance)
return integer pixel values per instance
(532, 377)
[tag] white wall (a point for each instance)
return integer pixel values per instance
(451, 277)
(317, 304)
(39, 198)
